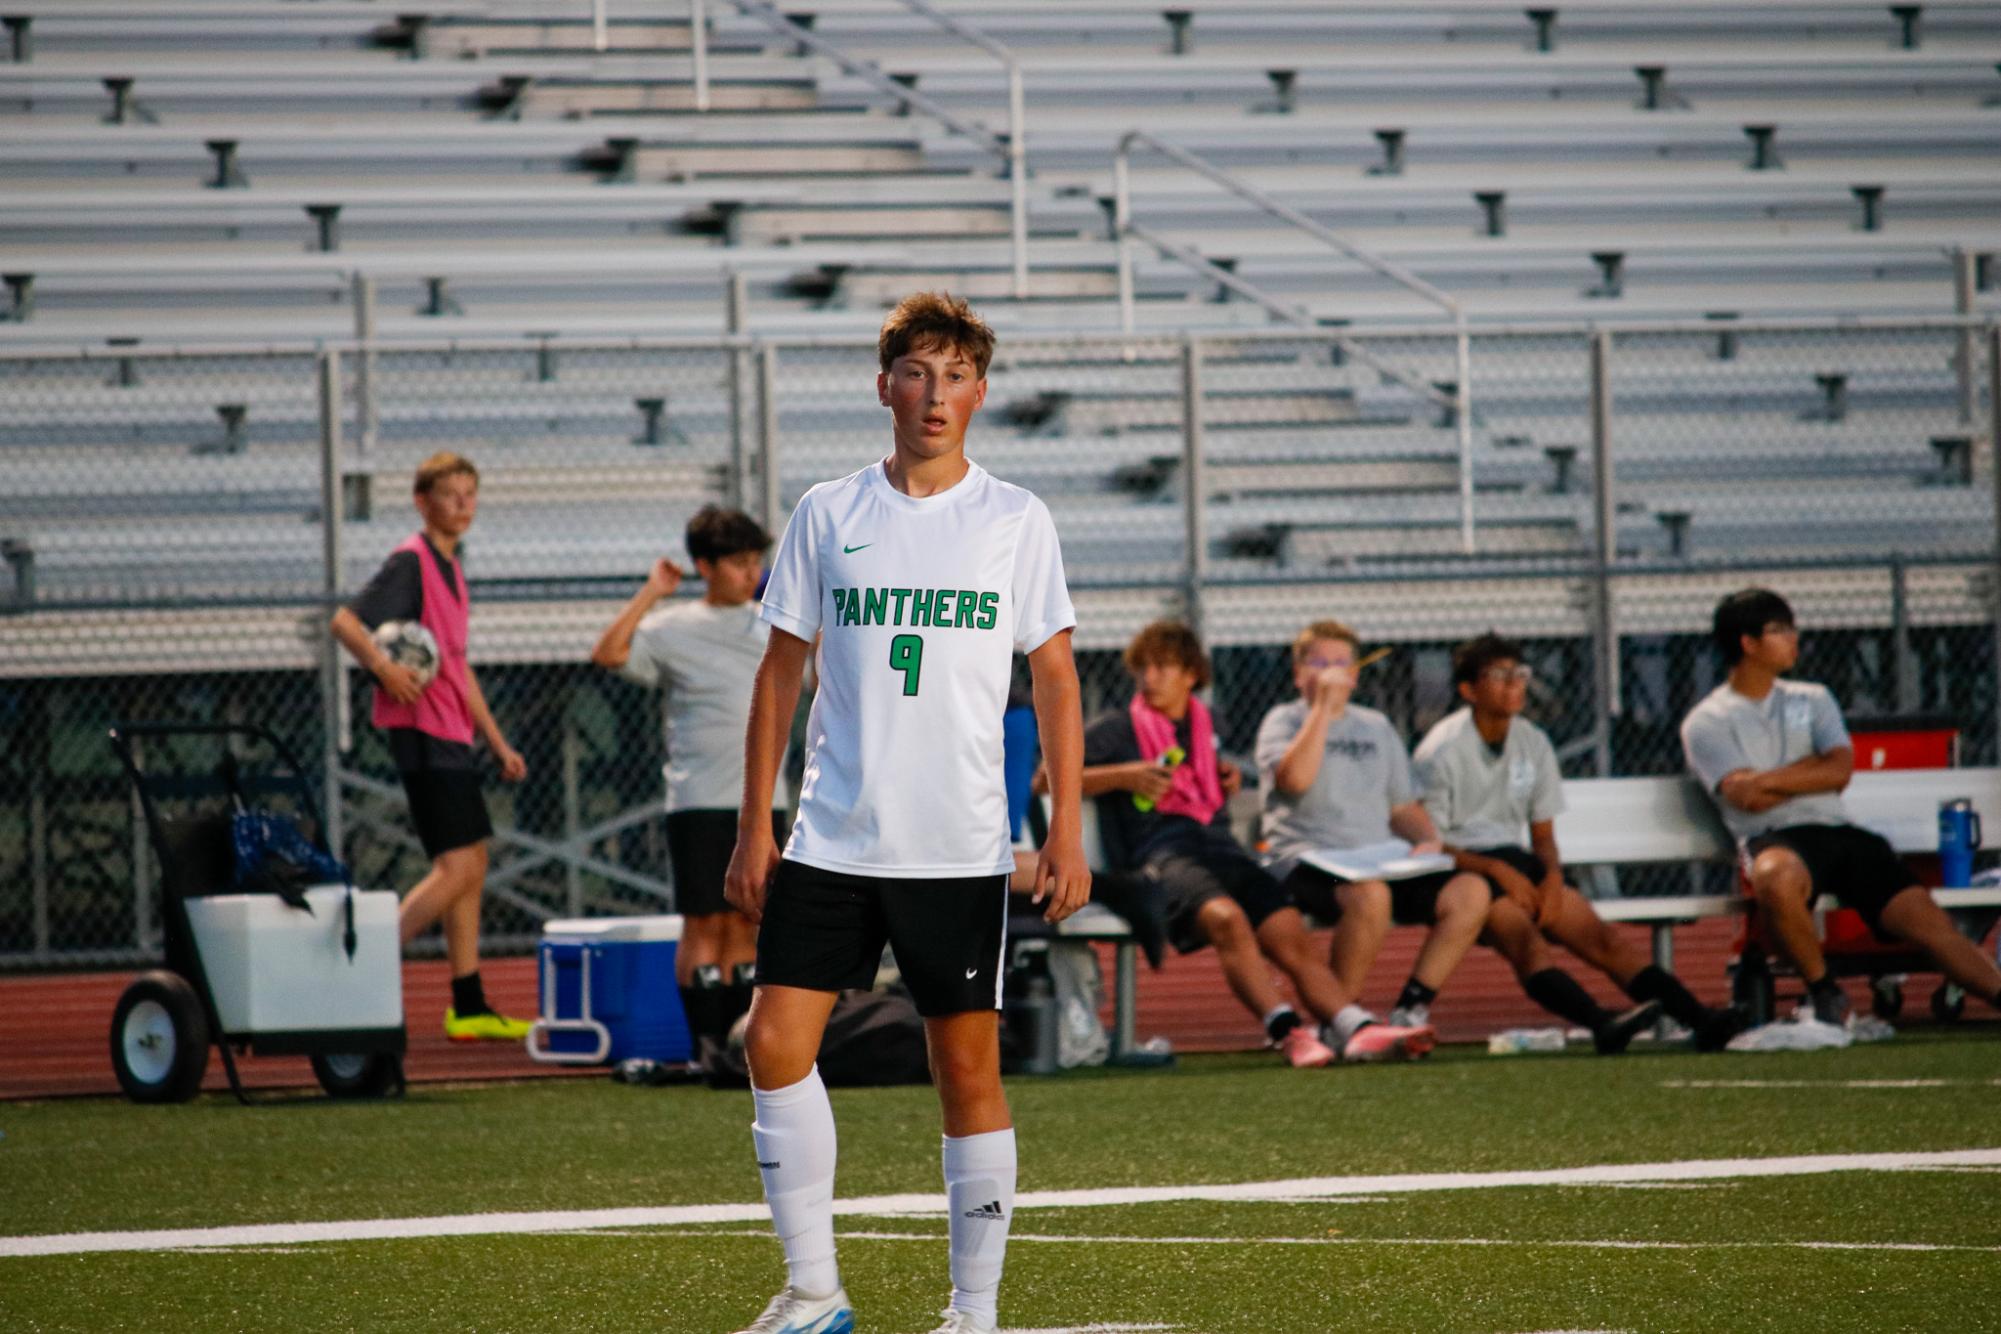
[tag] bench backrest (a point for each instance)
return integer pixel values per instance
(1671, 820)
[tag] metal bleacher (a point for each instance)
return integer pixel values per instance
(219, 173)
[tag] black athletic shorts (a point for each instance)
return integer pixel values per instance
(1206, 864)
(1848, 863)
(447, 808)
(1413, 902)
(1520, 858)
(824, 931)
(699, 845)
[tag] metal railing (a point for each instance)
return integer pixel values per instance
(1122, 224)
(1011, 149)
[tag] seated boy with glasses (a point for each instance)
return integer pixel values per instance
(1491, 781)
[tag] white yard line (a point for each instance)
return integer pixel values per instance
(1298, 1190)
(1528, 1243)
(1827, 1083)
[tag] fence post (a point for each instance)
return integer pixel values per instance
(1462, 412)
(736, 315)
(573, 880)
(1017, 170)
(1964, 364)
(599, 37)
(698, 48)
(364, 365)
(1994, 471)
(767, 422)
(1604, 633)
(142, 864)
(40, 769)
(1194, 485)
(333, 674)
(1900, 636)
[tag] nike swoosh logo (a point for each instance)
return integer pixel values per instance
(849, 551)
(972, 973)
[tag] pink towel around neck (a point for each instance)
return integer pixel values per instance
(1197, 791)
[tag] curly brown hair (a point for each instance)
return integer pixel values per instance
(935, 319)
(1170, 642)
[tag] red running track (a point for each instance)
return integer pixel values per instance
(56, 1036)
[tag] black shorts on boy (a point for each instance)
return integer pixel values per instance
(1854, 866)
(824, 931)
(1193, 864)
(441, 779)
(1413, 902)
(699, 844)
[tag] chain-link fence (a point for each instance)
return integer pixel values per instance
(164, 519)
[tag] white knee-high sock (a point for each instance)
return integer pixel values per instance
(979, 1189)
(794, 1132)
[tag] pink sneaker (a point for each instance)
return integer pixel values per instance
(1386, 1042)
(1304, 1050)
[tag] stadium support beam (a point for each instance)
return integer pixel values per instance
(20, 36)
(1726, 337)
(1545, 29)
(1611, 273)
(1910, 34)
(1994, 473)
(1179, 22)
(333, 682)
(651, 411)
(1194, 482)
(19, 553)
(1965, 279)
(1285, 90)
(1870, 197)
(20, 297)
(1655, 95)
(1764, 155)
(228, 174)
(326, 217)
(1392, 163)
(1494, 211)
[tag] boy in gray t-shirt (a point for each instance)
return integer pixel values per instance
(1334, 776)
(1775, 756)
(1490, 779)
(704, 655)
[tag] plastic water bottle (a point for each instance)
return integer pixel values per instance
(1515, 1041)
(1958, 838)
(1170, 760)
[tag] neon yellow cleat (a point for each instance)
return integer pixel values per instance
(488, 1027)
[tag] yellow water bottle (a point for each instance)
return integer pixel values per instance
(1170, 760)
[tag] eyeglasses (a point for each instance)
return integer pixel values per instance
(1521, 674)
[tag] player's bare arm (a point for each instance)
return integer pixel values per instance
(399, 681)
(1325, 698)
(1542, 842)
(614, 646)
(773, 698)
(1062, 877)
(512, 767)
(1412, 822)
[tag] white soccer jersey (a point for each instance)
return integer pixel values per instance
(921, 604)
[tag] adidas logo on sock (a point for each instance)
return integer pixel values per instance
(990, 1212)
(768, 1167)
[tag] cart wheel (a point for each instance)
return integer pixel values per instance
(159, 1039)
(1948, 1003)
(1886, 997)
(350, 1074)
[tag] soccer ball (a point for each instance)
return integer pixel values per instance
(410, 644)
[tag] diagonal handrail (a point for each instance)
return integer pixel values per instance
(1011, 148)
(1122, 226)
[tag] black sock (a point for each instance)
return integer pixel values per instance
(702, 1000)
(1824, 985)
(1558, 992)
(1415, 993)
(732, 1001)
(468, 997)
(1654, 983)
(1282, 1023)
(744, 975)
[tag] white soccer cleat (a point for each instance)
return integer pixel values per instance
(1411, 1016)
(792, 1313)
(963, 1322)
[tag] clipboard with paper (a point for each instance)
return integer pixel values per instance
(1391, 859)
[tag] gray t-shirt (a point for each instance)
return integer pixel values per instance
(705, 657)
(1364, 773)
(1482, 799)
(1728, 731)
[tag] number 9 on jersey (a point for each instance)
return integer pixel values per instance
(906, 655)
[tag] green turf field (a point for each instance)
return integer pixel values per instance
(1904, 1245)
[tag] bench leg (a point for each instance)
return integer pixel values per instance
(1126, 982)
(1664, 960)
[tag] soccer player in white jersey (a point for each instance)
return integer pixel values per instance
(921, 575)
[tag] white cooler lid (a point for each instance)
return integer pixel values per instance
(577, 930)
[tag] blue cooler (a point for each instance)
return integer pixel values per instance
(608, 992)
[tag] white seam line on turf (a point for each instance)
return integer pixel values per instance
(1568, 1243)
(1297, 1190)
(1828, 1083)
